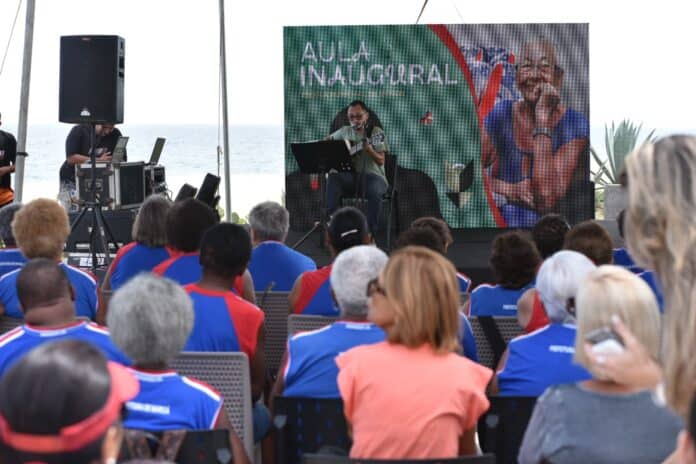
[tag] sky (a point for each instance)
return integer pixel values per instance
(641, 64)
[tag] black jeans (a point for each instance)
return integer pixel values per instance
(342, 184)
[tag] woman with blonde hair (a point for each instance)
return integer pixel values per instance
(568, 418)
(660, 229)
(41, 228)
(412, 396)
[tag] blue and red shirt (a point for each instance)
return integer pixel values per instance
(84, 284)
(185, 268)
(650, 279)
(315, 294)
(19, 341)
(310, 370)
(466, 338)
(540, 359)
(276, 262)
(494, 300)
(134, 258)
(464, 282)
(169, 401)
(11, 259)
(223, 322)
(623, 259)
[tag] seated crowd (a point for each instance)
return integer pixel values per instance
(613, 379)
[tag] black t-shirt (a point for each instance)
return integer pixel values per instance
(78, 142)
(8, 155)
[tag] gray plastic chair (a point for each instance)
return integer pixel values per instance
(229, 374)
(508, 329)
(303, 323)
(275, 307)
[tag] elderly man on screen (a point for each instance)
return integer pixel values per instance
(533, 146)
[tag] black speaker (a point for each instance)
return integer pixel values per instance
(91, 79)
(208, 191)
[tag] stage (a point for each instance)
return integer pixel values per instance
(469, 252)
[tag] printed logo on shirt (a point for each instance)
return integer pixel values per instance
(148, 408)
(562, 349)
(510, 307)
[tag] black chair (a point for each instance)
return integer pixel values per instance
(180, 446)
(305, 425)
(331, 459)
(501, 429)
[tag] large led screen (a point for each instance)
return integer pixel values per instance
(488, 123)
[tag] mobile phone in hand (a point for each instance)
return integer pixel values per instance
(605, 341)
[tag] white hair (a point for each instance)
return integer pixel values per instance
(558, 281)
(150, 319)
(352, 270)
(269, 221)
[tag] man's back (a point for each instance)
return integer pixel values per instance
(223, 322)
(84, 284)
(21, 340)
(539, 360)
(275, 262)
(311, 370)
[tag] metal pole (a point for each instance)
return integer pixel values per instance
(225, 129)
(24, 101)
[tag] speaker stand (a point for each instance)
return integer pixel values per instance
(100, 228)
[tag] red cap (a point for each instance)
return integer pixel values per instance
(124, 386)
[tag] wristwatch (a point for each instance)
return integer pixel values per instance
(542, 131)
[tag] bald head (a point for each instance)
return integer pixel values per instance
(42, 282)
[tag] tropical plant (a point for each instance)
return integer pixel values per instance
(619, 142)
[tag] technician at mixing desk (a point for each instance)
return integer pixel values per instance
(77, 148)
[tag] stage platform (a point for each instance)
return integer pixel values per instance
(469, 252)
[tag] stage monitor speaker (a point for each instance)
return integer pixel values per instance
(186, 191)
(208, 191)
(91, 79)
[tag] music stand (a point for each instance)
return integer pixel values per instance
(321, 157)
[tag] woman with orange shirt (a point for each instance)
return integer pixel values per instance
(413, 396)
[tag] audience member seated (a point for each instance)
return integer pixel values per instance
(544, 357)
(686, 444)
(428, 238)
(599, 420)
(10, 257)
(548, 235)
(150, 319)
(222, 320)
(41, 228)
(592, 240)
(443, 231)
(47, 298)
(588, 238)
(187, 220)
(514, 260)
(413, 396)
(274, 266)
(309, 369)
(149, 245)
(311, 293)
(62, 403)
(620, 255)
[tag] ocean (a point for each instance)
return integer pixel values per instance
(256, 158)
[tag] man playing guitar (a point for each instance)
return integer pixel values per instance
(368, 180)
